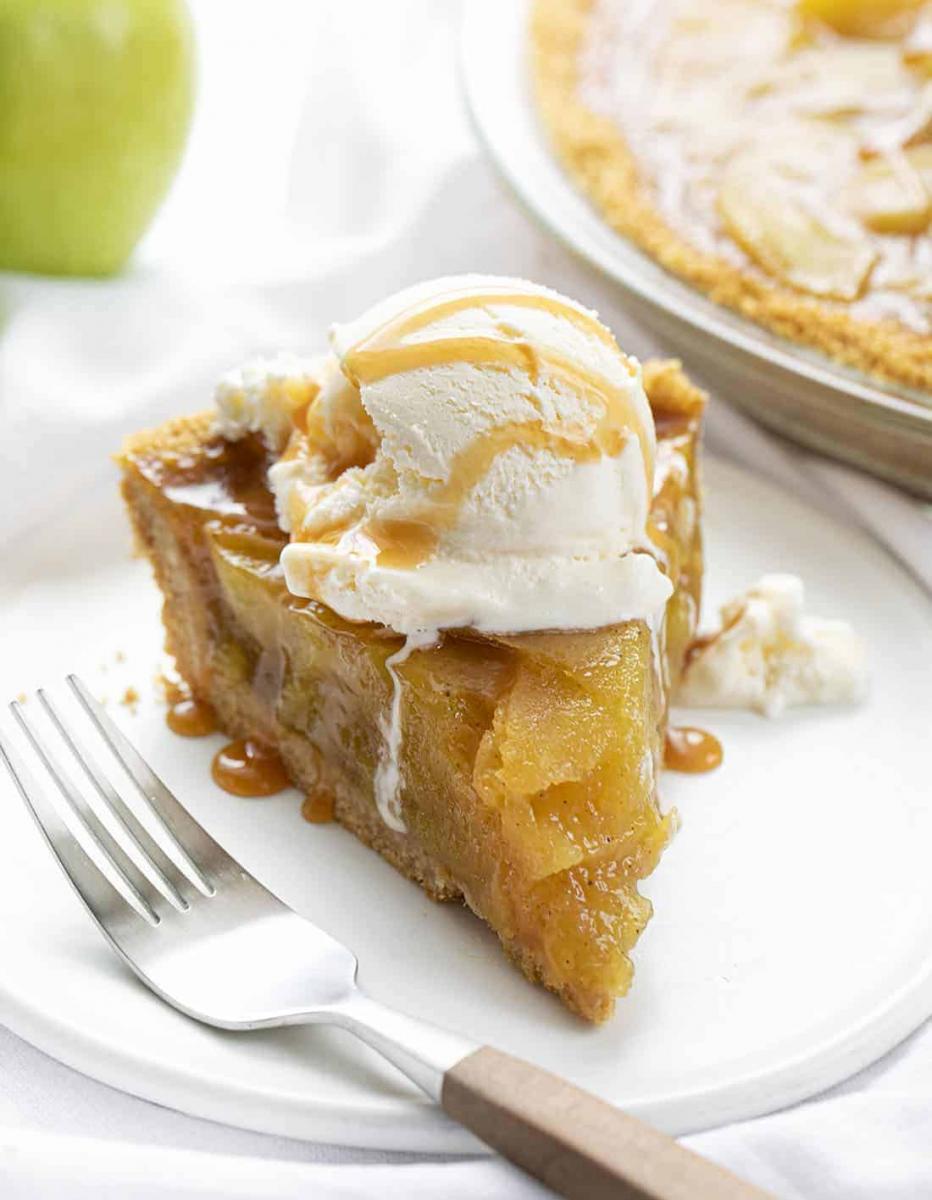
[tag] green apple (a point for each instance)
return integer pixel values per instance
(95, 104)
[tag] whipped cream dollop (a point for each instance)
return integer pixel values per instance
(480, 453)
(769, 655)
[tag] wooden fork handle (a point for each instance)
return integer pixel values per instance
(576, 1144)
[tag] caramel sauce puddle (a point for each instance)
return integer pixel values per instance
(691, 750)
(191, 718)
(318, 806)
(246, 768)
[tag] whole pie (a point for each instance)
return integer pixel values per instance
(776, 154)
(515, 769)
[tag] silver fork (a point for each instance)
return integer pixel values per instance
(209, 939)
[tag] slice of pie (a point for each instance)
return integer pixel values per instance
(777, 156)
(479, 742)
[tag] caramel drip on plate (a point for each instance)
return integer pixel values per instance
(191, 718)
(691, 750)
(244, 768)
(318, 806)
(666, 545)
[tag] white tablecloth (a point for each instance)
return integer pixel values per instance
(331, 162)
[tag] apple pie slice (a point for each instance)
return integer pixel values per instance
(511, 763)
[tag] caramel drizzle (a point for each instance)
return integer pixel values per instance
(406, 543)
(417, 317)
(666, 546)
(373, 365)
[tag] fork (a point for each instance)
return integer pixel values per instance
(211, 941)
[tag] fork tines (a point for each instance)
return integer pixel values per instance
(146, 853)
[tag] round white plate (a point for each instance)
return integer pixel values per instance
(884, 428)
(793, 912)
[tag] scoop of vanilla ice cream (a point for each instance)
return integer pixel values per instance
(769, 655)
(480, 454)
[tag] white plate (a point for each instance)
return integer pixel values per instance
(885, 428)
(793, 911)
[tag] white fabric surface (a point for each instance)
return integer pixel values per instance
(331, 162)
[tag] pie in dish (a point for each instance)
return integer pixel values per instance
(479, 741)
(776, 154)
